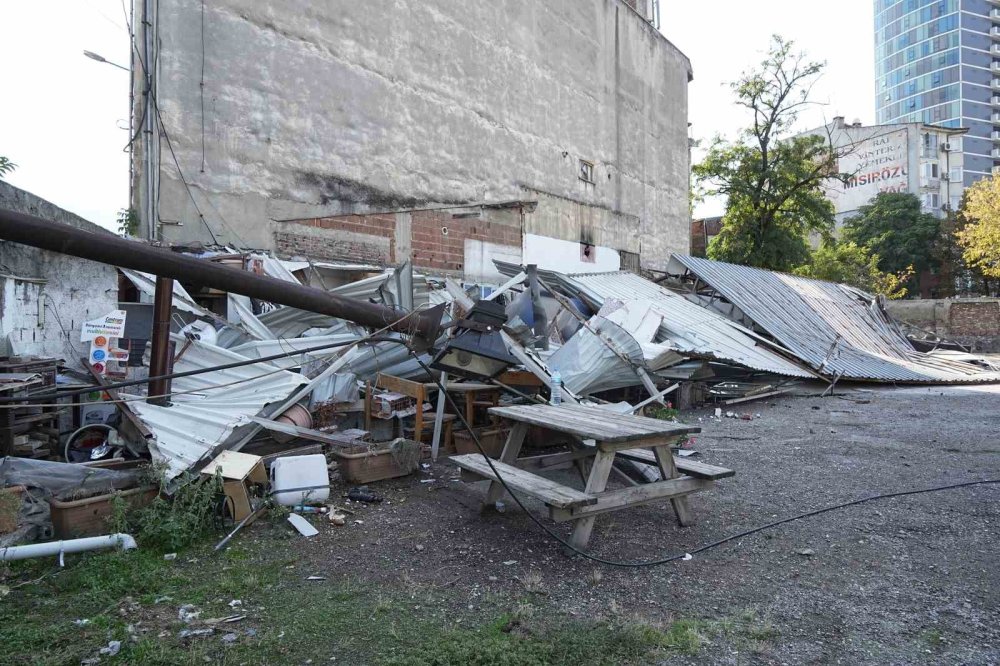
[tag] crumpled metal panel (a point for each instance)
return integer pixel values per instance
(209, 407)
(835, 329)
(688, 328)
(262, 348)
(181, 300)
(587, 364)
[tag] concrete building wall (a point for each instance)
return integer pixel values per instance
(313, 110)
(44, 296)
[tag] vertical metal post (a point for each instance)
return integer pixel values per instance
(159, 357)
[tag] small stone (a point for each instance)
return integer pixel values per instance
(807, 552)
(419, 548)
(230, 638)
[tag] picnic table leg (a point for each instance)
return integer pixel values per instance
(665, 461)
(596, 483)
(510, 452)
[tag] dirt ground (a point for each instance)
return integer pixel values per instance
(900, 581)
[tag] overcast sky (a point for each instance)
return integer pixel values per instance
(62, 114)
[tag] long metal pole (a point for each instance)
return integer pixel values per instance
(110, 249)
(159, 355)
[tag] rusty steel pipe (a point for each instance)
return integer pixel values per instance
(110, 249)
(159, 354)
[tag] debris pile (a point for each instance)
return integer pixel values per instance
(280, 402)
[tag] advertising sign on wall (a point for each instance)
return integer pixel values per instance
(878, 164)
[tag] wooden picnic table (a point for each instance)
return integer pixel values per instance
(603, 435)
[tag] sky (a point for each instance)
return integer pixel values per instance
(64, 117)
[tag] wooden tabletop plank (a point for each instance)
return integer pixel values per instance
(552, 493)
(592, 422)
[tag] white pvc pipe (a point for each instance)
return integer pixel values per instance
(60, 548)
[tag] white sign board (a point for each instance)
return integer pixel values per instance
(111, 325)
(875, 165)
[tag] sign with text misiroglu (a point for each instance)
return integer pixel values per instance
(874, 165)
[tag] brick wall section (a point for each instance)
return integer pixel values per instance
(437, 237)
(435, 249)
(700, 229)
(981, 318)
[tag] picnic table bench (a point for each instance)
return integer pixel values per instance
(603, 435)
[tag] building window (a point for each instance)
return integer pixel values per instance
(955, 175)
(586, 171)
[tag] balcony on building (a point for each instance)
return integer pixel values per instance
(995, 65)
(995, 153)
(995, 14)
(995, 49)
(995, 135)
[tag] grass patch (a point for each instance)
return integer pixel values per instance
(134, 597)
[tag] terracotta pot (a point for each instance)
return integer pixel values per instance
(296, 415)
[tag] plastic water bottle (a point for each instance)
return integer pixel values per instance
(556, 398)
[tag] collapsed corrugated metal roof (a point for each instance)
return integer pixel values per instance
(835, 329)
(688, 328)
(206, 409)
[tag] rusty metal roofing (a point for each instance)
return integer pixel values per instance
(835, 329)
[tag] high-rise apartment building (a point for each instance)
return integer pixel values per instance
(937, 62)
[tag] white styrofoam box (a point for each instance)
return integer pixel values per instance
(300, 472)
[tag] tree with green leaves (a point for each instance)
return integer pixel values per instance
(6, 166)
(979, 236)
(773, 181)
(893, 227)
(848, 263)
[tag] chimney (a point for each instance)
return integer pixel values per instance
(838, 122)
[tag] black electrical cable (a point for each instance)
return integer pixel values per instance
(41, 397)
(680, 556)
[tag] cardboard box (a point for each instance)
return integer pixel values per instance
(243, 479)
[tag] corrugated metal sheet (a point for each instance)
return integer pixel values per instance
(223, 401)
(262, 348)
(686, 327)
(587, 364)
(835, 329)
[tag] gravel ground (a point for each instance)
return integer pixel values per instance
(900, 581)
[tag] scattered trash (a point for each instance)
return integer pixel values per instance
(81, 623)
(362, 494)
(807, 552)
(687, 557)
(337, 519)
(500, 506)
(230, 638)
(316, 578)
(235, 602)
(359, 522)
(419, 548)
(187, 613)
(302, 525)
(195, 633)
(170, 556)
(161, 600)
(509, 563)
(113, 648)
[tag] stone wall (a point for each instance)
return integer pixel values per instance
(313, 110)
(974, 323)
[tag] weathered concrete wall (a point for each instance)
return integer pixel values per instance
(44, 296)
(973, 322)
(314, 110)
